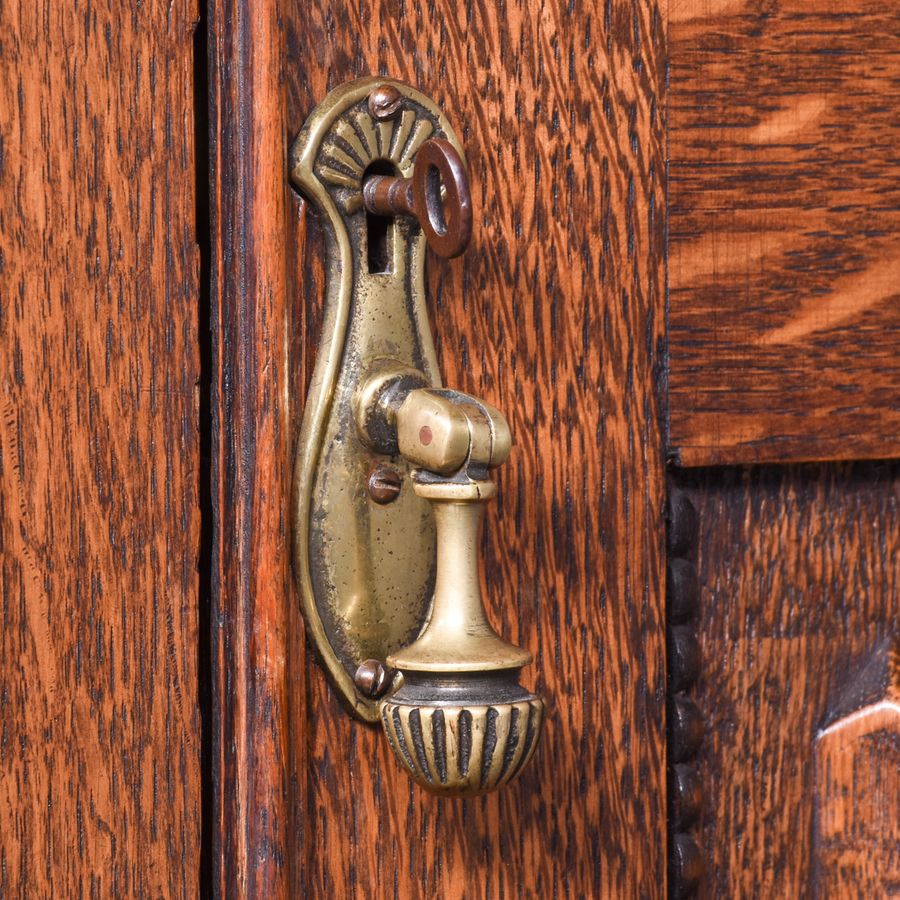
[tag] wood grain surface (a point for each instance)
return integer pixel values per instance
(799, 571)
(555, 315)
(856, 837)
(784, 224)
(99, 453)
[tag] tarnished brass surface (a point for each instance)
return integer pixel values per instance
(434, 433)
(365, 571)
(460, 723)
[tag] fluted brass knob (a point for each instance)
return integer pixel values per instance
(460, 723)
(456, 737)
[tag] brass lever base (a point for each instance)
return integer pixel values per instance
(392, 471)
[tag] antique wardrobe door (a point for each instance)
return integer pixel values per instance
(554, 315)
(715, 640)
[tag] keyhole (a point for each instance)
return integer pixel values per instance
(380, 229)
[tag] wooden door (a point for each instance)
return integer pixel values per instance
(555, 315)
(690, 734)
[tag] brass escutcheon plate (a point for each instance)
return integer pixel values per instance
(365, 571)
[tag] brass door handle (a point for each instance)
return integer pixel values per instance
(392, 471)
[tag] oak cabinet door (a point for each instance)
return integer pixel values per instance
(555, 315)
(691, 720)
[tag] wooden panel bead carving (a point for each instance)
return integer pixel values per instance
(681, 531)
(685, 725)
(685, 728)
(685, 796)
(686, 866)
(683, 656)
(682, 589)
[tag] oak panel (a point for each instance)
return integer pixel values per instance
(554, 315)
(99, 453)
(784, 224)
(799, 570)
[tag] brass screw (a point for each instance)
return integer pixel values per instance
(385, 102)
(371, 678)
(384, 484)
